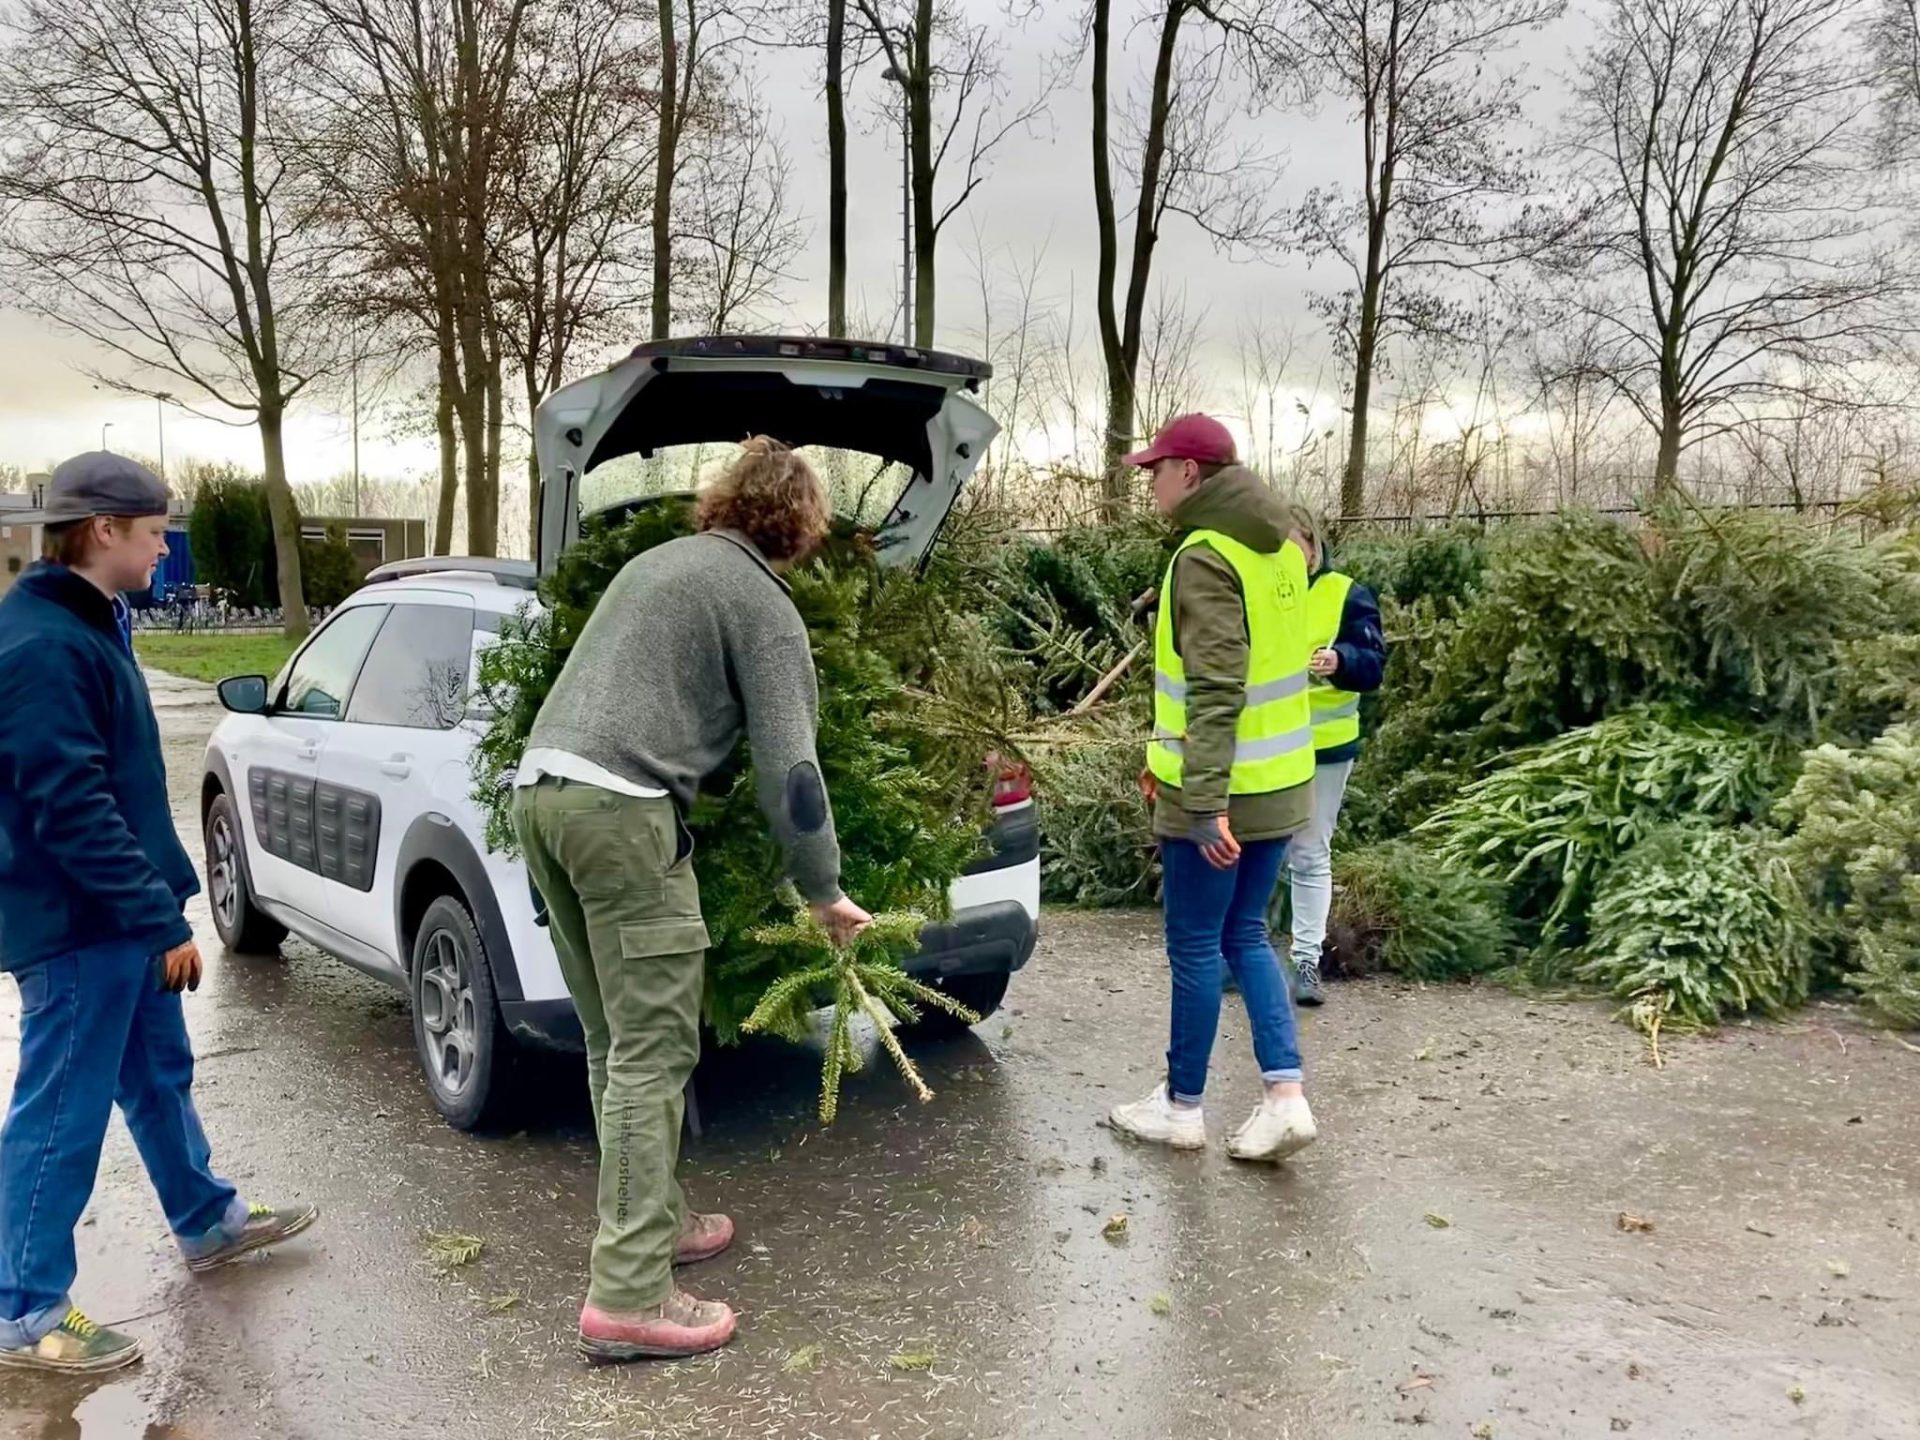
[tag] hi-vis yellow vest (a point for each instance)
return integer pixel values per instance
(1336, 712)
(1273, 747)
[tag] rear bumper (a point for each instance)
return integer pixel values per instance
(981, 940)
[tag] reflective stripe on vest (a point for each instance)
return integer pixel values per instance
(1273, 741)
(1336, 712)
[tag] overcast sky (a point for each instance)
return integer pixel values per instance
(1038, 200)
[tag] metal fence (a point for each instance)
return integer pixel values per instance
(189, 612)
(1835, 514)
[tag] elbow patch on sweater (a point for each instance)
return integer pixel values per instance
(806, 799)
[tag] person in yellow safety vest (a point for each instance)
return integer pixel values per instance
(1229, 775)
(1349, 659)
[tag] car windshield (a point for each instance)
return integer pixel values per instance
(861, 487)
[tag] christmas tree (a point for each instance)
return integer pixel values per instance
(905, 774)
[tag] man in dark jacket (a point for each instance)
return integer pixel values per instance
(92, 881)
(1349, 658)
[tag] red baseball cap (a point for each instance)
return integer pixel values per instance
(1189, 437)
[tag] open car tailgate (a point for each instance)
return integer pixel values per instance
(910, 407)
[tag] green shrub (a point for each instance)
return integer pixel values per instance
(908, 807)
(1443, 564)
(1768, 603)
(1566, 626)
(1096, 841)
(328, 570)
(1879, 686)
(1062, 610)
(1555, 816)
(232, 536)
(1853, 841)
(1693, 922)
(1400, 908)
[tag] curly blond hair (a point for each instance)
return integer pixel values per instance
(770, 495)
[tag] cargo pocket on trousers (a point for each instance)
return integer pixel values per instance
(649, 939)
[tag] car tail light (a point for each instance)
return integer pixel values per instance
(1012, 782)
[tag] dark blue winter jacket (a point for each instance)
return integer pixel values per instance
(88, 851)
(1362, 647)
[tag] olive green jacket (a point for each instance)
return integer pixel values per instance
(1210, 632)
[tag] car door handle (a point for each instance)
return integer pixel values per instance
(399, 767)
(309, 750)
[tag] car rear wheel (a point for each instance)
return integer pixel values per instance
(243, 927)
(464, 1049)
(981, 994)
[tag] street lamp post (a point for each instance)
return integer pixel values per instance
(160, 399)
(356, 428)
(103, 433)
(898, 77)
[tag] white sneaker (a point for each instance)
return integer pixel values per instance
(1275, 1130)
(1158, 1119)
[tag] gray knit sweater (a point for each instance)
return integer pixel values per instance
(694, 641)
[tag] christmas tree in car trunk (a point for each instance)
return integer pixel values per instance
(908, 797)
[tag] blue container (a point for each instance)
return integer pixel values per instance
(173, 573)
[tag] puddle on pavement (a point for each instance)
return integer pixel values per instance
(76, 1410)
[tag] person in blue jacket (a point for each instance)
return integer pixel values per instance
(92, 882)
(1349, 659)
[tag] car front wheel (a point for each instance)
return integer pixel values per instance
(242, 926)
(463, 1047)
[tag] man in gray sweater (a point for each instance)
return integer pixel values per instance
(694, 642)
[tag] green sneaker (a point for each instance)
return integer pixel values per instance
(265, 1226)
(76, 1346)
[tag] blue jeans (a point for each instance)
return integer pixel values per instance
(1215, 916)
(96, 1028)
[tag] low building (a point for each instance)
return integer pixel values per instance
(374, 542)
(19, 544)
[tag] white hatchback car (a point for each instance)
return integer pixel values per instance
(337, 798)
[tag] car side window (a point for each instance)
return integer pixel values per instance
(320, 680)
(416, 674)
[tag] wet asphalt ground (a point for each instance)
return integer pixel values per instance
(1450, 1259)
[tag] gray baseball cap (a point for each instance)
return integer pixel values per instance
(98, 483)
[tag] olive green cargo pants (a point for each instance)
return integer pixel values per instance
(624, 910)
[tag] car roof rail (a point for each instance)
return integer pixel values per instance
(516, 574)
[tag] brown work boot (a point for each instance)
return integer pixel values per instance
(702, 1238)
(681, 1327)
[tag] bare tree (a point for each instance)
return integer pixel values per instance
(1185, 166)
(1170, 381)
(736, 238)
(421, 114)
(1437, 168)
(578, 198)
(1892, 34)
(836, 47)
(142, 186)
(942, 62)
(1018, 354)
(1568, 368)
(1730, 245)
(694, 36)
